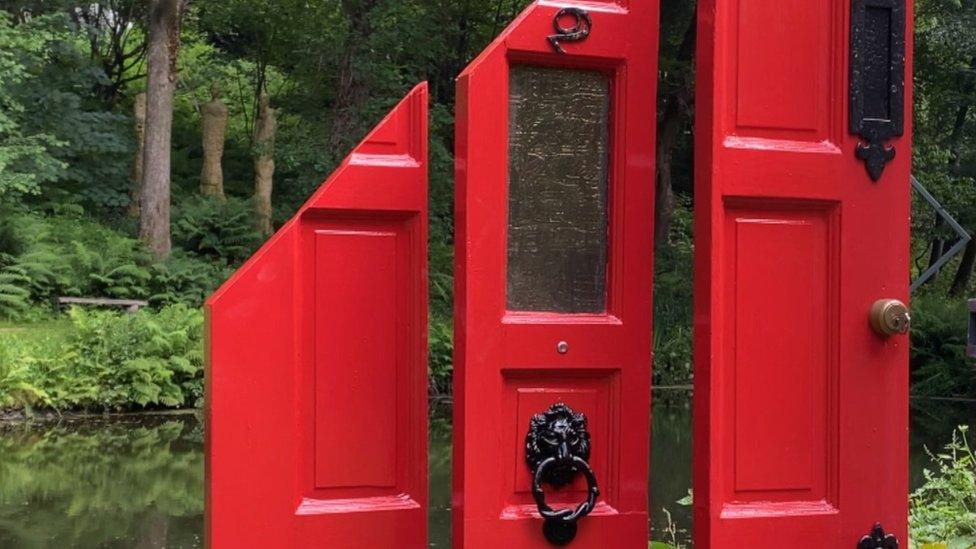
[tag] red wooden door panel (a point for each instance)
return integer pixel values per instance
(317, 363)
(555, 178)
(801, 409)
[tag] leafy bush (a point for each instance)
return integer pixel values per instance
(673, 301)
(185, 279)
(440, 364)
(108, 361)
(944, 508)
(45, 257)
(216, 230)
(939, 364)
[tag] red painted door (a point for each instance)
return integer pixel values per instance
(555, 178)
(801, 407)
(317, 363)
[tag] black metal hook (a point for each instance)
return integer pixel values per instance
(579, 31)
(557, 447)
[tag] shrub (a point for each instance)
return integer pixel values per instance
(216, 230)
(939, 364)
(673, 301)
(440, 364)
(108, 361)
(45, 257)
(185, 279)
(944, 508)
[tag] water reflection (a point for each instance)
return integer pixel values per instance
(138, 482)
(122, 483)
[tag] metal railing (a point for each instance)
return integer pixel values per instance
(964, 236)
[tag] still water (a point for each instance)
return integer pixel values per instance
(137, 482)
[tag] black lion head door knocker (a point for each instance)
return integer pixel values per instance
(557, 448)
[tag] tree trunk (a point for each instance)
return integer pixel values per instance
(351, 92)
(264, 137)
(135, 175)
(960, 284)
(214, 130)
(164, 44)
(664, 200)
(676, 113)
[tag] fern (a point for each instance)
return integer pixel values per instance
(216, 230)
(14, 292)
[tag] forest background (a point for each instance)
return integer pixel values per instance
(77, 217)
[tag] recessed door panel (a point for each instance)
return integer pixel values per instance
(782, 394)
(355, 358)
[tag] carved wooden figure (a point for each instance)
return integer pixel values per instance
(264, 165)
(214, 129)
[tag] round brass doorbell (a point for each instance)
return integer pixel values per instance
(890, 317)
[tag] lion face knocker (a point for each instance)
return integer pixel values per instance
(558, 432)
(557, 448)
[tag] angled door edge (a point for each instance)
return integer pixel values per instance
(268, 482)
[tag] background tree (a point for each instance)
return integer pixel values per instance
(139, 125)
(165, 17)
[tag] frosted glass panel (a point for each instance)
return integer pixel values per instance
(557, 189)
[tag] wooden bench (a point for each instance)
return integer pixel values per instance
(130, 305)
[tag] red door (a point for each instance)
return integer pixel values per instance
(802, 225)
(317, 350)
(555, 178)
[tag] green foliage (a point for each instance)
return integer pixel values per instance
(107, 361)
(216, 230)
(944, 508)
(26, 158)
(42, 258)
(673, 301)
(185, 279)
(944, 148)
(440, 363)
(939, 366)
(56, 135)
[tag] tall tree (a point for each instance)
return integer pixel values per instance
(675, 109)
(352, 86)
(114, 41)
(165, 17)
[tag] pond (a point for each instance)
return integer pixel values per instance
(137, 481)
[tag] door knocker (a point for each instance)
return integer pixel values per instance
(557, 448)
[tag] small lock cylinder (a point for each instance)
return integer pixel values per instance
(890, 317)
